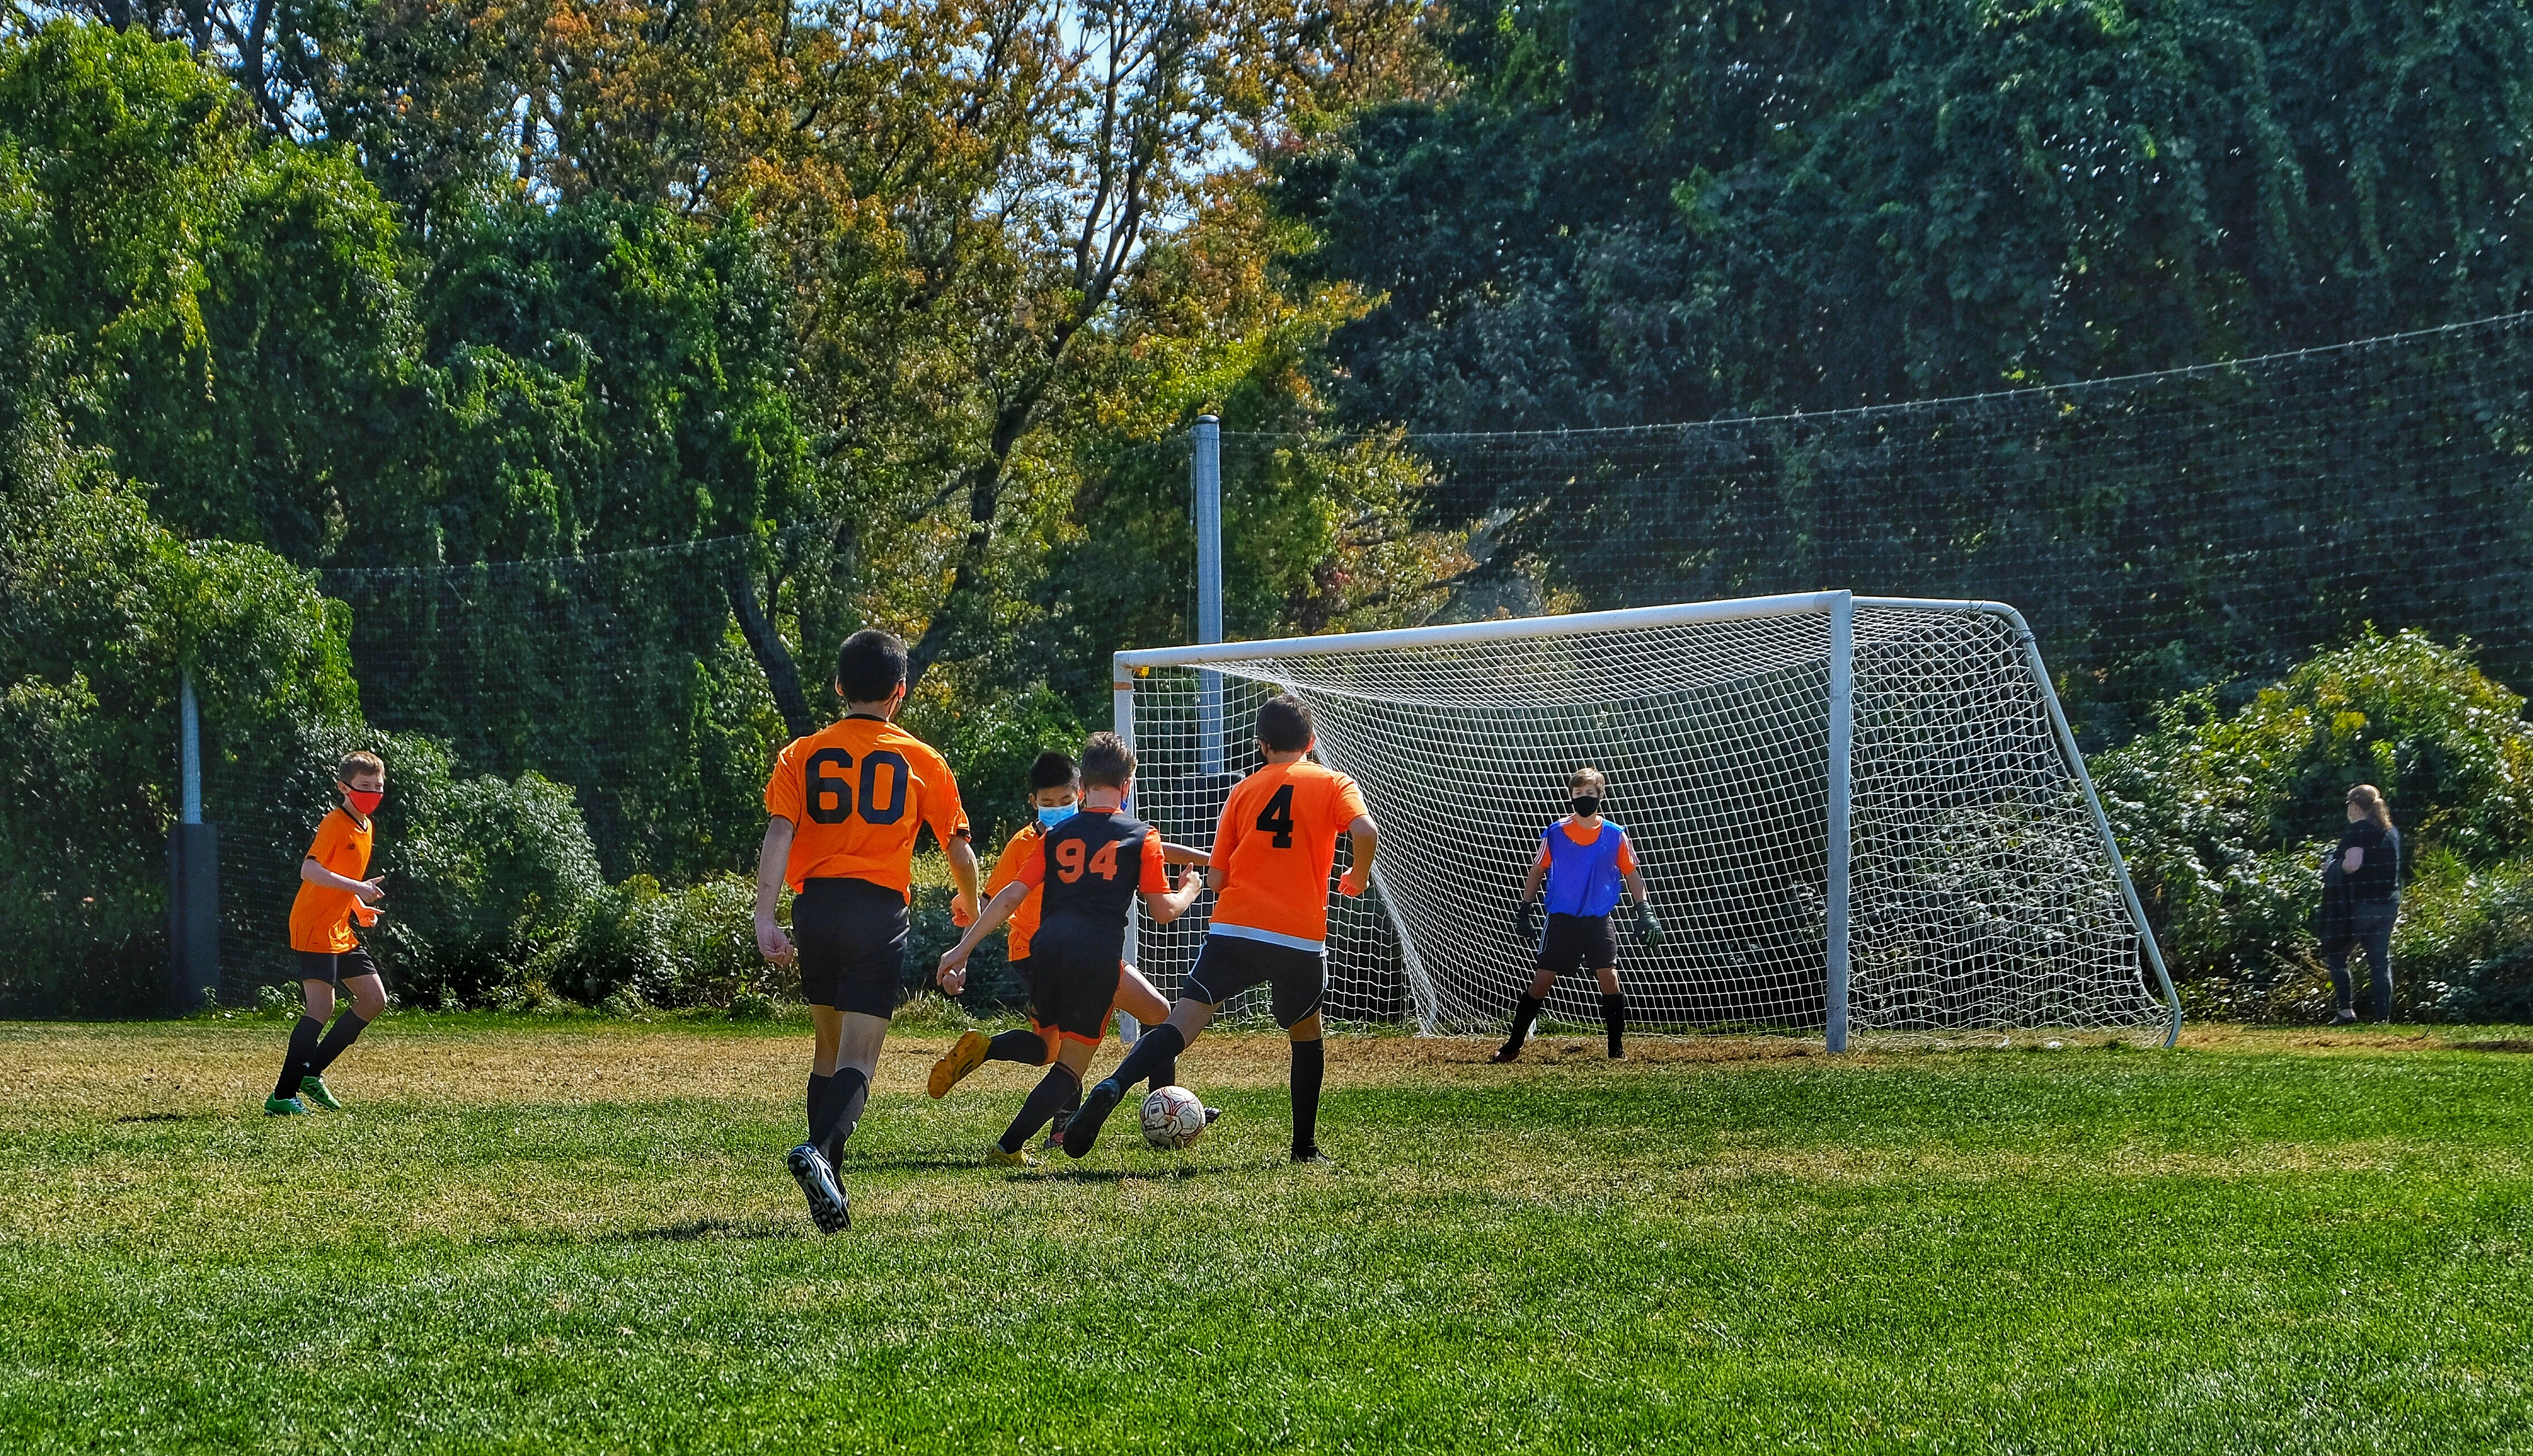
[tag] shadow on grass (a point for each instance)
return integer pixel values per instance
(164, 1117)
(2509, 1045)
(688, 1232)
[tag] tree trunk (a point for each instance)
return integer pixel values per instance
(773, 655)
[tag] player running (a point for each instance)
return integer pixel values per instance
(1584, 858)
(1272, 855)
(845, 807)
(331, 895)
(1055, 792)
(1088, 872)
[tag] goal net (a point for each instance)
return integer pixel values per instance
(1851, 812)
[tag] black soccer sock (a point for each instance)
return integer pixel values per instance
(1159, 1048)
(1166, 1074)
(1614, 1015)
(1024, 1047)
(294, 1061)
(1310, 1068)
(347, 1029)
(1050, 1096)
(817, 1095)
(838, 1107)
(1525, 1010)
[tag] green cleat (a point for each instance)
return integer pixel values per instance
(284, 1107)
(314, 1088)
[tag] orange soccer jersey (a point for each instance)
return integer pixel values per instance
(1275, 848)
(1025, 847)
(321, 918)
(856, 793)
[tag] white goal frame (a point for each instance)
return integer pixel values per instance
(1839, 607)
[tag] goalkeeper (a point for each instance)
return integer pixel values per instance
(1585, 859)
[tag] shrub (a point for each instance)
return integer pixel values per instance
(667, 948)
(2228, 820)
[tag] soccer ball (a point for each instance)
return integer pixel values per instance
(1172, 1118)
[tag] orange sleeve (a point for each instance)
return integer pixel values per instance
(1626, 856)
(333, 833)
(1030, 871)
(942, 809)
(783, 787)
(1021, 847)
(1156, 876)
(1226, 833)
(1350, 804)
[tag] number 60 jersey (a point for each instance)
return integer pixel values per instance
(856, 793)
(1275, 848)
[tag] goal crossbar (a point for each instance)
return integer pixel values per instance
(1838, 607)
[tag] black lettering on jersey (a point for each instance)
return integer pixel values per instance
(873, 811)
(1277, 817)
(831, 795)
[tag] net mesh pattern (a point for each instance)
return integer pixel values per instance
(1982, 896)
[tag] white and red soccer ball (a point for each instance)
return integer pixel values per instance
(1173, 1118)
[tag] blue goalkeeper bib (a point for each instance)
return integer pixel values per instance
(1583, 879)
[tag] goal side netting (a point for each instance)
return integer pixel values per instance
(1982, 887)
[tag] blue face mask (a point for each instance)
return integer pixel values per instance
(1050, 818)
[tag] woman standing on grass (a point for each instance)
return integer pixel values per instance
(2367, 862)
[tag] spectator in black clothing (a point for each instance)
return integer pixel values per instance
(2364, 873)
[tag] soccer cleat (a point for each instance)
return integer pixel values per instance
(1055, 1132)
(966, 1055)
(1506, 1054)
(314, 1088)
(996, 1156)
(1313, 1157)
(829, 1208)
(1082, 1128)
(2344, 1018)
(1213, 1114)
(284, 1107)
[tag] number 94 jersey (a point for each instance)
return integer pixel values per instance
(1088, 875)
(856, 793)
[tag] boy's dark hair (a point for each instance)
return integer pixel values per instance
(1052, 770)
(1284, 723)
(358, 763)
(869, 665)
(1106, 762)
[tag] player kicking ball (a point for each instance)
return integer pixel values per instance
(331, 895)
(843, 807)
(1089, 870)
(1272, 855)
(1056, 794)
(1585, 859)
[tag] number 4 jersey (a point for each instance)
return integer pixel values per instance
(856, 793)
(1275, 846)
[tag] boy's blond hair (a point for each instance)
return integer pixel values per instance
(358, 762)
(1586, 776)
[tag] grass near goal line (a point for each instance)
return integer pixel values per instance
(578, 1235)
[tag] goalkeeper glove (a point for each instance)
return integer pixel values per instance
(1525, 921)
(1649, 929)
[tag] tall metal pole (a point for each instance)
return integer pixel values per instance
(188, 750)
(1842, 749)
(1205, 471)
(1121, 702)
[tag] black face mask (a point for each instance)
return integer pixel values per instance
(1584, 805)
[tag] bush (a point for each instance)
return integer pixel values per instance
(667, 948)
(2228, 820)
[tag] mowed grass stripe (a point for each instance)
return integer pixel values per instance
(2257, 1243)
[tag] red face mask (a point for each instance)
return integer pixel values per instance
(364, 801)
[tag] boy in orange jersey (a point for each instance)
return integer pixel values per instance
(1088, 872)
(843, 806)
(331, 895)
(1054, 795)
(1272, 855)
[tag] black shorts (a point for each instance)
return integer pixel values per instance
(1578, 943)
(1296, 979)
(336, 966)
(1070, 991)
(852, 938)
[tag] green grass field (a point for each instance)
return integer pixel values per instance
(578, 1235)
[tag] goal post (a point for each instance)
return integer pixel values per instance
(1858, 815)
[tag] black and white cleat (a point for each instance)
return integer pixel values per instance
(829, 1208)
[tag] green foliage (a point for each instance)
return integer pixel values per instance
(1636, 210)
(2227, 819)
(101, 612)
(667, 948)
